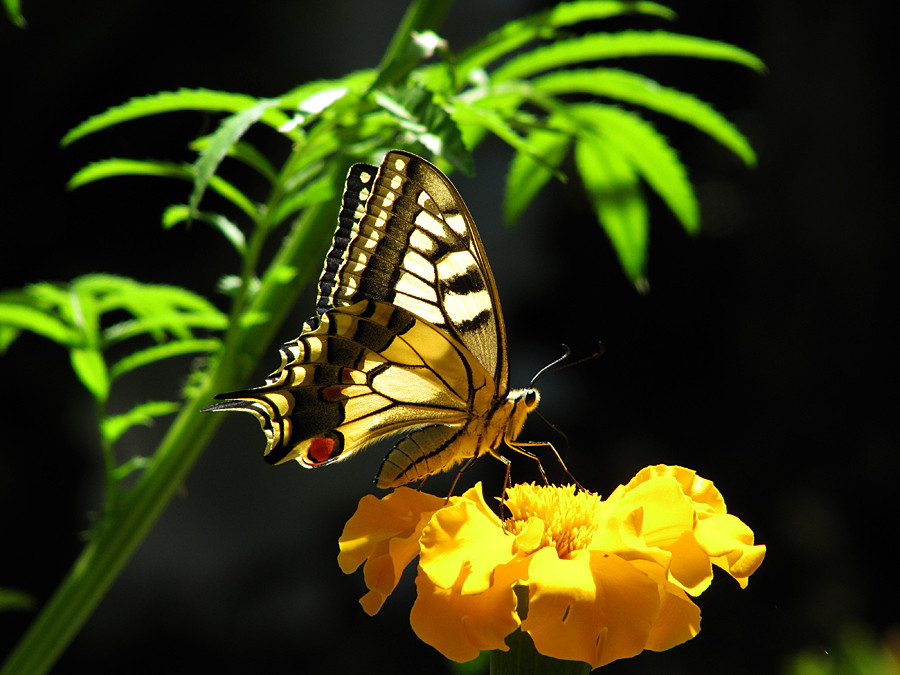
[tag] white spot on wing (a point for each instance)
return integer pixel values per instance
(456, 264)
(429, 223)
(466, 306)
(422, 243)
(419, 264)
(457, 223)
(420, 308)
(415, 287)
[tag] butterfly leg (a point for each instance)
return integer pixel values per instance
(519, 446)
(459, 473)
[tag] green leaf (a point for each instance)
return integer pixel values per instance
(313, 193)
(598, 46)
(206, 100)
(20, 316)
(181, 213)
(14, 10)
(114, 426)
(245, 153)
(531, 170)
(614, 190)
(12, 600)
(162, 351)
(474, 119)
(515, 34)
(648, 152)
(176, 323)
(116, 166)
(417, 113)
(639, 90)
(128, 467)
(91, 370)
(228, 133)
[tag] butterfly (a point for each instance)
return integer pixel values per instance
(408, 336)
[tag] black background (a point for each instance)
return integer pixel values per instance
(763, 356)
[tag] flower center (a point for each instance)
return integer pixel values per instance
(570, 517)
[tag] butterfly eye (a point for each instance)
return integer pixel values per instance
(531, 398)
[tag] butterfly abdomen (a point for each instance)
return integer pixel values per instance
(437, 448)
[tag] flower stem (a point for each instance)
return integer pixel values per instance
(523, 659)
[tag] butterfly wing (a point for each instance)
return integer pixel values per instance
(366, 372)
(408, 334)
(416, 246)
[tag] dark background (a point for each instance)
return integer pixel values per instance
(763, 356)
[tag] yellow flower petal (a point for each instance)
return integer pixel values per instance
(667, 512)
(605, 579)
(590, 607)
(463, 543)
(697, 489)
(385, 534)
(690, 566)
(729, 543)
(678, 619)
(459, 625)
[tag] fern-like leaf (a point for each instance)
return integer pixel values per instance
(598, 46)
(520, 32)
(614, 190)
(206, 100)
(530, 171)
(639, 90)
(143, 414)
(649, 153)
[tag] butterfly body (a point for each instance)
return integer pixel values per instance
(408, 337)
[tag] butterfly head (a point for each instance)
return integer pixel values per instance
(523, 402)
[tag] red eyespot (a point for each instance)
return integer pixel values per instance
(320, 450)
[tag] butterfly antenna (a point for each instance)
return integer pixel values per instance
(558, 364)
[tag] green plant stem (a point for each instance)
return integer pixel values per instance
(120, 531)
(126, 524)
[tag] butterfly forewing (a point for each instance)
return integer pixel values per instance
(416, 246)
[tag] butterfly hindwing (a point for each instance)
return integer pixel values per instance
(366, 372)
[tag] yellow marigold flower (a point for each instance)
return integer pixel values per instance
(597, 580)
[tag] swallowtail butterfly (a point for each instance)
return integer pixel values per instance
(408, 336)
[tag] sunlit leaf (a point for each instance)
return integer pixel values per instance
(530, 171)
(515, 34)
(179, 324)
(91, 370)
(142, 414)
(404, 52)
(245, 153)
(649, 153)
(474, 119)
(117, 166)
(313, 193)
(614, 190)
(643, 91)
(206, 100)
(597, 46)
(181, 213)
(418, 114)
(23, 317)
(162, 351)
(228, 133)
